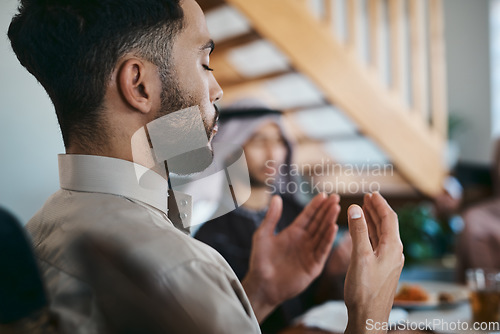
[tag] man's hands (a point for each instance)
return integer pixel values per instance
(376, 263)
(284, 264)
(340, 258)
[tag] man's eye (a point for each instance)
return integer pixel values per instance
(208, 68)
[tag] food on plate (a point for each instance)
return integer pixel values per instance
(446, 298)
(411, 293)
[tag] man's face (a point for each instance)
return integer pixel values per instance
(192, 82)
(264, 152)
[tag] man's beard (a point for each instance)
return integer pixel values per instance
(256, 183)
(173, 99)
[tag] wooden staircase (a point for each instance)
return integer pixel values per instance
(405, 115)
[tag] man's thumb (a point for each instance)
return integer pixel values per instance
(358, 230)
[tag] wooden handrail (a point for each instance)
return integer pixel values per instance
(329, 17)
(344, 81)
(428, 88)
(375, 9)
(412, 132)
(438, 68)
(418, 57)
(353, 25)
(396, 29)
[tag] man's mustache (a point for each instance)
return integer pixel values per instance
(216, 118)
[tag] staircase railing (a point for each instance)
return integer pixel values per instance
(380, 61)
(401, 41)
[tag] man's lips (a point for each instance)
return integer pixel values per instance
(215, 127)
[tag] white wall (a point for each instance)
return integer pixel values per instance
(495, 65)
(469, 88)
(29, 135)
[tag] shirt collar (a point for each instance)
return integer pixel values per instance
(91, 173)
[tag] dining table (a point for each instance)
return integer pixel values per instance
(409, 317)
(305, 330)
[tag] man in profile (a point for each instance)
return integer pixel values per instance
(113, 67)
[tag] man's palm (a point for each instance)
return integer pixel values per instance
(290, 260)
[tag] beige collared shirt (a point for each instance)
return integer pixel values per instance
(117, 198)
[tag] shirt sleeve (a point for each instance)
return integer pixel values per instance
(204, 298)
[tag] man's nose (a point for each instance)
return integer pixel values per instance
(272, 151)
(215, 90)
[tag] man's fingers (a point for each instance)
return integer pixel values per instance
(329, 219)
(273, 215)
(316, 220)
(370, 220)
(323, 213)
(358, 230)
(388, 224)
(372, 230)
(375, 219)
(324, 245)
(310, 210)
(324, 228)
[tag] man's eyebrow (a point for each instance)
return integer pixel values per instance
(209, 45)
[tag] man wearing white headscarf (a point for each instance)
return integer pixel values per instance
(268, 152)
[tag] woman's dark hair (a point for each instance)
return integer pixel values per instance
(72, 47)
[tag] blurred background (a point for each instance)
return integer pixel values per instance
(409, 86)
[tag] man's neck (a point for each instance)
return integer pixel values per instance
(259, 199)
(145, 160)
(104, 150)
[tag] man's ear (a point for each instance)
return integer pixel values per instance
(139, 84)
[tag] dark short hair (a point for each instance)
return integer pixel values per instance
(72, 47)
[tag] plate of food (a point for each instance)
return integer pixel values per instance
(429, 295)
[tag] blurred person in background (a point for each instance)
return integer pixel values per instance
(478, 244)
(268, 152)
